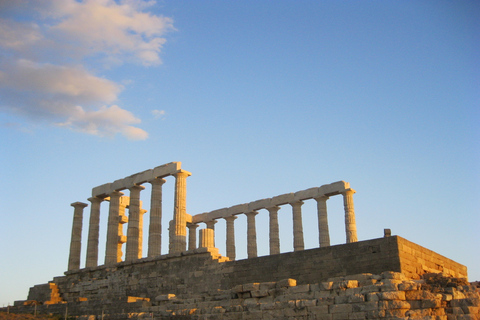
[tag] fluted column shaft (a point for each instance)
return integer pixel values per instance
(112, 228)
(274, 230)
(350, 224)
(251, 235)
(298, 243)
(192, 236)
(155, 228)
(76, 241)
(231, 237)
(133, 230)
(206, 238)
(93, 232)
(180, 212)
(323, 233)
(140, 233)
(211, 225)
(122, 219)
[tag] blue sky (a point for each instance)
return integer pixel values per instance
(256, 99)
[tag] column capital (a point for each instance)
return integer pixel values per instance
(273, 209)
(95, 199)
(136, 187)
(157, 181)
(230, 218)
(348, 191)
(181, 173)
(116, 194)
(143, 211)
(322, 198)
(192, 225)
(296, 203)
(251, 213)
(79, 204)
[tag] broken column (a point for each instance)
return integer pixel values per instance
(350, 224)
(76, 241)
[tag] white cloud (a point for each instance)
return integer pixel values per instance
(44, 46)
(158, 113)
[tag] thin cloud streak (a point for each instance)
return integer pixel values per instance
(44, 73)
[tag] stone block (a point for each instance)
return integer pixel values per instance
(259, 204)
(251, 286)
(267, 285)
(306, 194)
(392, 295)
(282, 199)
(393, 304)
(304, 303)
(142, 177)
(285, 283)
(165, 297)
(326, 285)
(354, 298)
(299, 289)
(238, 209)
(259, 293)
(102, 191)
(418, 295)
(333, 188)
(166, 169)
(340, 308)
(393, 275)
(217, 214)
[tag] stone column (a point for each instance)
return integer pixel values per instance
(112, 229)
(251, 235)
(274, 230)
(323, 233)
(211, 225)
(298, 244)
(140, 234)
(180, 212)
(122, 219)
(206, 238)
(231, 237)
(133, 231)
(350, 224)
(192, 236)
(93, 231)
(155, 228)
(76, 241)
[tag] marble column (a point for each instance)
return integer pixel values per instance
(76, 241)
(251, 235)
(112, 228)
(155, 227)
(192, 236)
(298, 244)
(122, 219)
(274, 230)
(93, 232)
(350, 224)
(323, 233)
(231, 237)
(211, 225)
(133, 231)
(140, 234)
(180, 212)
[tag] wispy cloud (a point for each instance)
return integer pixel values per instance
(48, 50)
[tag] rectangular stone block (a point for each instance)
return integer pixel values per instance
(306, 194)
(143, 176)
(251, 286)
(238, 209)
(103, 190)
(286, 283)
(166, 169)
(259, 204)
(340, 308)
(282, 199)
(217, 214)
(299, 289)
(333, 188)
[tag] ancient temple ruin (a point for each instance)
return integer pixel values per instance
(358, 279)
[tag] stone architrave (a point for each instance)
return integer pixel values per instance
(93, 232)
(298, 243)
(76, 241)
(133, 231)
(251, 235)
(192, 236)
(211, 225)
(179, 237)
(350, 224)
(274, 230)
(112, 228)
(323, 233)
(230, 237)
(155, 227)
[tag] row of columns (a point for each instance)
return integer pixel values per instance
(116, 219)
(274, 237)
